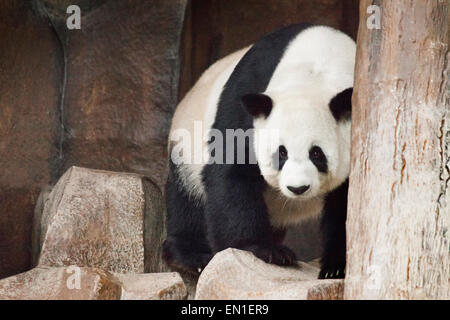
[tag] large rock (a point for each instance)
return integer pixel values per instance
(236, 274)
(63, 283)
(81, 283)
(152, 286)
(112, 221)
(31, 69)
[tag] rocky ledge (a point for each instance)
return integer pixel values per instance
(98, 235)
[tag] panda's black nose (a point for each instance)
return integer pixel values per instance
(298, 190)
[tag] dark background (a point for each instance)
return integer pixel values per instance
(102, 97)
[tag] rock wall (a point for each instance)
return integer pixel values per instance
(31, 71)
(121, 90)
(101, 97)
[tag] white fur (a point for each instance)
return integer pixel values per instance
(319, 57)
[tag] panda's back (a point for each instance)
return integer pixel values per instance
(318, 57)
(200, 103)
(199, 106)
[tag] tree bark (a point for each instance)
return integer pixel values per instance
(399, 197)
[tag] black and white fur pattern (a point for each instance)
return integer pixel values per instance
(298, 81)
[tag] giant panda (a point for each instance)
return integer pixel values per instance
(296, 82)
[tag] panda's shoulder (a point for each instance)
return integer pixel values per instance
(252, 74)
(263, 57)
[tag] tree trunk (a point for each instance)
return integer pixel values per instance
(399, 197)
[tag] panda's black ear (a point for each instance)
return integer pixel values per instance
(257, 104)
(341, 105)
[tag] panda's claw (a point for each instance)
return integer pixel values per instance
(332, 272)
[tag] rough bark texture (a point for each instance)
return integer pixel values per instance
(236, 274)
(93, 218)
(399, 205)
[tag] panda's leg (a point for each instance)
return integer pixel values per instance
(236, 216)
(185, 247)
(333, 231)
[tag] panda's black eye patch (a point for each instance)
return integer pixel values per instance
(319, 159)
(280, 157)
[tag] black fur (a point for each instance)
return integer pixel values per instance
(319, 159)
(278, 159)
(333, 231)
(341, 105)
(234, 213)
(257, 104)
(185, 247)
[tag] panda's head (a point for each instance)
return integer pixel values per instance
(312, 154)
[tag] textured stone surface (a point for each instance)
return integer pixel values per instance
(82, 283)
(100, 219)
(30, 71)
(112, 112)
(326, 290)
(236, 274)
(43, 198)
(46, 283)
(122, 86)
(152, 286)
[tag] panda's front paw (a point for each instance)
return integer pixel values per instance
(332, 272)
(277, 254)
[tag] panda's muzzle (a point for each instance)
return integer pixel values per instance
(298, 190)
